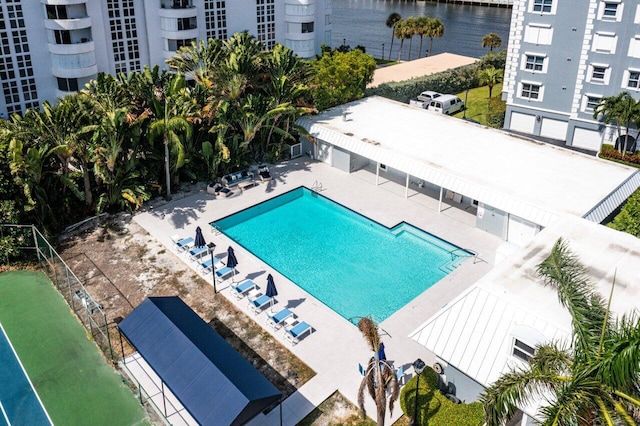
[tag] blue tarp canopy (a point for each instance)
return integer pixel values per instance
(214, 383)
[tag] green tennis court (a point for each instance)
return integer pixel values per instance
(74, 382)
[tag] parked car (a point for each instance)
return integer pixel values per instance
(446, 104)
(428, 95)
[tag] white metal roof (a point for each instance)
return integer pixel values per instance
(475, 331)
(533, 180)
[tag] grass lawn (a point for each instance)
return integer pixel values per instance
(75, 383)
(477, 103)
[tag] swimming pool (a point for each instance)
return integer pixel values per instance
(352, 264)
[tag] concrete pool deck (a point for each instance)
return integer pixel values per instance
(336, 346)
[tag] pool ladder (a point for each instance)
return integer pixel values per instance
(317, 186)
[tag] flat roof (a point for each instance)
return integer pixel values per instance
(475, 331)
(533, 180)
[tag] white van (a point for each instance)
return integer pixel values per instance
(446, 104)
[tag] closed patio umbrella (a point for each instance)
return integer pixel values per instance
(381, 355)
(271, 287)
(232, 262)
(199, 241)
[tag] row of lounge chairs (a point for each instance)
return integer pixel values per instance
(294, 329)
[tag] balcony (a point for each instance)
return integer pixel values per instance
(63, 2)
(74, 72)
(68, 24)
(191, 12)
(176, 4)
(83, 46)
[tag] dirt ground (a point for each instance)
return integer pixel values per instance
(120, 264)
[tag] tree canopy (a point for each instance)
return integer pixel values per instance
(592, 379)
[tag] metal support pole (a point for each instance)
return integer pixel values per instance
(377, 172)
(466, 96)
(382, 51)
(212, 247)
(164, 398)
(406, 187)
(440, 201)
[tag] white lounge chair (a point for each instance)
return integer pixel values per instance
(184, 243)
(279, 318)
(224, 272)
(241, 289)
(206, 264)
(295, 333)
(259, 303)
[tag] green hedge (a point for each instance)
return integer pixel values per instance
(433, 408)
(451, 81)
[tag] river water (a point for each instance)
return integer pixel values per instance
(362, 22)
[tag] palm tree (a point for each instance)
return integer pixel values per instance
(392, 21)
(166, 122)
(491, 40)
(489, 76)
(435, 28)
(403, 32)
(379, 375)
(622, 110)
(593, 381)
(411, 30)
(422, 28)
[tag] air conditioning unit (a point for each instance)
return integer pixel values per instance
(296, 150)
(383, 167)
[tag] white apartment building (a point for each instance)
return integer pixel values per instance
(50, 48)
(562, 58)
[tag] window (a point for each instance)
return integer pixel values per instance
(598, 73)
(634, 80)
(610, 10)
(530, 91)
(307, 27)
(538, 34)
(604, 42)
(534, 63)
(542, 6)
(523, 351)
(56, 12)
(591, 103)
(62, 36)
(68, 84)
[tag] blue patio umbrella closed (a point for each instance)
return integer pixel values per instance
(199, 241)
(271, 287)
(381, 355)
(232, 262)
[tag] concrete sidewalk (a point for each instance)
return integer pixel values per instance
(419, 68)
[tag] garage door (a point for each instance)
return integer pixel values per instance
(555, 129)
(522, 122)
(587, 139)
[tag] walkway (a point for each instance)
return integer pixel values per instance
(336, 347)
(419, 68)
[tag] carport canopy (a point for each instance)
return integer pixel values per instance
(214, 383)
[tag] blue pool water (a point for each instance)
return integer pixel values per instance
(354, 265)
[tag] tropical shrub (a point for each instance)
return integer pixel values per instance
(496, 112)
(628, 220)
(341, 77)
(434, 409)
(609, 152)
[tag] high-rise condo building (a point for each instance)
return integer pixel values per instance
(562, 58)
(50, 48)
